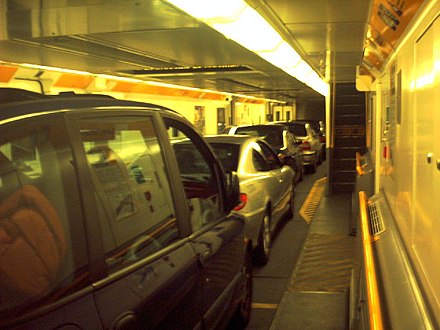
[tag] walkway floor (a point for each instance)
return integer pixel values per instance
(317, 297)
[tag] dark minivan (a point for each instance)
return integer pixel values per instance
(99, 229)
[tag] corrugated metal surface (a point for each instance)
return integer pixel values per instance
(325, 264)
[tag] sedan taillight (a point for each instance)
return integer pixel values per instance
(243, 201)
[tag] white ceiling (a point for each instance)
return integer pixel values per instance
(141, 38)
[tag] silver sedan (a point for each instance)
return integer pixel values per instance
(266, 186)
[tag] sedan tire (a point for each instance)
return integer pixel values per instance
(290, 212)
(313, 166)
(243, 313)
(262, 250)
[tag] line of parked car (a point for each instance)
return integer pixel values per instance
(120, 215)
(269, 159)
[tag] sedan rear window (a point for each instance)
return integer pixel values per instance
(271, 134)
(227, 154)
(298, 129)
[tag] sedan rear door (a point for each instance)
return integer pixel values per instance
(285, 180)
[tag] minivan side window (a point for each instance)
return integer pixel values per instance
(198, 175)
(137, 216)
(42, 238)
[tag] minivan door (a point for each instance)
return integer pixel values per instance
(149, 277)
(44, 266)
(217, 239)
(221, 253)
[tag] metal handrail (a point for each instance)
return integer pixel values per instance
(373, 298)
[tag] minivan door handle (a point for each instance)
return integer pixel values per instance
(126, 322)
(204, 256)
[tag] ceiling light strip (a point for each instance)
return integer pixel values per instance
(238, 21)
(84, 80)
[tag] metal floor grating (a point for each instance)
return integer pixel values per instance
(325, 264)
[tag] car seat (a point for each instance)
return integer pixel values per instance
(32, 239)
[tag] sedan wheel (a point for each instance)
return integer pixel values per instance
(263, 249)
(243, 313)
(313, 167)
(290, 214)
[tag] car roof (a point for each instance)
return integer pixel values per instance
(280, 125)
(314, 123)
(299, 122)
(307, 120)
(227, 138)
(17, 102)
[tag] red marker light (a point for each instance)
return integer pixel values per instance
(243, 201)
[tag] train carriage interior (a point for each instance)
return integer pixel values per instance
(366, 70)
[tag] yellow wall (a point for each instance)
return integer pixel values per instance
(410, 183)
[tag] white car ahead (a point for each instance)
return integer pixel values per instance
(266, 186)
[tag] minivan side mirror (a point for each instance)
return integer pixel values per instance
(232, 190)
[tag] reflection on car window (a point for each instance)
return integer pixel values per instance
(259, 162)
(192, 165)
(228, 154)
(136, 208)
(43, 244)
(198, 175)
(271, 157)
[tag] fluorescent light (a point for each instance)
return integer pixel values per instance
(248, 29)
(50, 68)
(283, 56)
(236, 20)
(318, 84)
(299, 71)
(118, 78)
(211, 9)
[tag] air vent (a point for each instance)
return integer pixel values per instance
(377, 225)
(190, 70)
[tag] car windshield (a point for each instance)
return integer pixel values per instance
(271, 134)
(227, 154)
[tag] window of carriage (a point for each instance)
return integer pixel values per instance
(136, 209)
